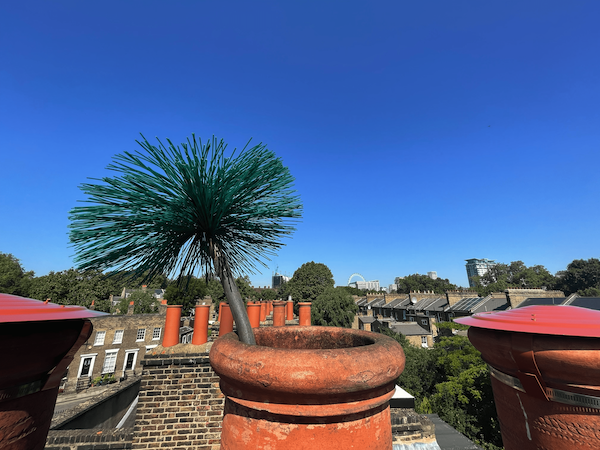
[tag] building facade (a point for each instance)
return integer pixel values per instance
(115, 348)
(477, 267)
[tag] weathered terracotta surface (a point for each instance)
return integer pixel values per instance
(307, 388)
(289, 310)
(201, 324)
(531, 419)
(263, 311)
(278, 314)
(172, 324)
(304, 313)
(226, 324)
(253, 310)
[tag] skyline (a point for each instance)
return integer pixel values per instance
(419, 135)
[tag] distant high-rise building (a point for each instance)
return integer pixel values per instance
(432, 275)
(478, 267)
(278, 280)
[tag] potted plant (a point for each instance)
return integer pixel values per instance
(184, 209)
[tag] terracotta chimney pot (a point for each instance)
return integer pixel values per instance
(172, 324)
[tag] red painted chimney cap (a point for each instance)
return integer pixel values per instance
(561, 320)
(19, 309)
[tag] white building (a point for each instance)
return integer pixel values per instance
(478, 267)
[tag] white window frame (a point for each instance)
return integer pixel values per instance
(150, 347)
(120, 340)
(137, 336)
(154, 336)
(83, 357)
(106, 355)
(127, 352)
(424, 343)
(99, 338)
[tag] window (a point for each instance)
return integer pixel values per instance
(141, 334)
(424, 322)
(156, 334)
(86, 365)
(130, 359)
(100, 335)
(424, 341)
(110, 361)
(150, 347)
(118, 337)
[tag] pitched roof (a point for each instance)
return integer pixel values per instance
(430, 304)
(409, 329)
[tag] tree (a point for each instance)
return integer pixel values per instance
(582, 277)
(143, 303)
(186, 294)
(187, 209)
(453, 381)
(13, 279)
(334, 308)
(309, 281)
(418, 282)
(516, 274)
(76, 287)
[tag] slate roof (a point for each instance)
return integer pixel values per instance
(376, 302)
(366, 319)
(430, 304)
(397, 302)
(542, 301)
(585, 302)
(474, 305)
(409, 329)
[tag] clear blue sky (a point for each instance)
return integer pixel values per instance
(420, 133)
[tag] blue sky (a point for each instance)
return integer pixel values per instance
(420, 134)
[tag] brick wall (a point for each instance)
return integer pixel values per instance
(180, 403)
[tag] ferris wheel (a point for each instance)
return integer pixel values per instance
(355, 275)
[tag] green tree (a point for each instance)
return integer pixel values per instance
(352, 290)
(418, 282)
(309, 281)
(143, 303)
(13, 279)
(184, 209)
(516, 275)
(266, 294)
(334, 308)
(76, 287)
(582, 277)
(453, 381)
(186, 294)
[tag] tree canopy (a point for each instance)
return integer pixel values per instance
(582, 277)
(143, 303)
(13, 279)
(452, 381)
(309, 281)
(188, 209)
(421, 283)
(76, 287)
(513, 275)
(334, 307)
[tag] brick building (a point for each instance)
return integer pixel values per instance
(116, 347)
